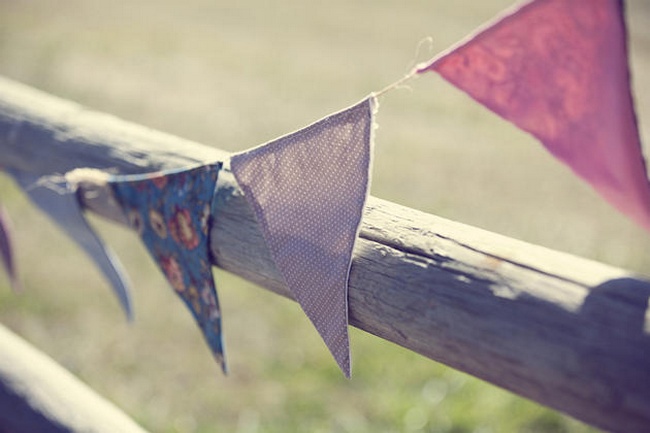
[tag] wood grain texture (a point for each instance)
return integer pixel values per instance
(566, 332)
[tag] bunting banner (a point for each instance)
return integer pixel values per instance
(6, 249)
(57, 198)
(558, 69)
(307, 191)
(172, 213)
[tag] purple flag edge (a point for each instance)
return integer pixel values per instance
(6, 250)
(373, 105)
(373, 108)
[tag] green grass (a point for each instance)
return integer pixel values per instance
(234, 75)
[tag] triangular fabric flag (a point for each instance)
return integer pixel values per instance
(172, 213)
(58, 199)
(308, 191)
(558, 69)
(6, 249)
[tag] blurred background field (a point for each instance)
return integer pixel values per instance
(236, 74)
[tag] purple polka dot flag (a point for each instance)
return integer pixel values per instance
(558, 69)
(6, 249)
(172, 213)
(308, 190)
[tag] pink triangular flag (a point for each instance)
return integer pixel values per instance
(308, 190)
(558, 69)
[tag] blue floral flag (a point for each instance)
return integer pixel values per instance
(172, 213)
(308, 190)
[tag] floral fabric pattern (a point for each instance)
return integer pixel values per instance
(172, 214)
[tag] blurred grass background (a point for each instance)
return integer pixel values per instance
(233, 75)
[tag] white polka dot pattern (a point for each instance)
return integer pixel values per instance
(308, 190)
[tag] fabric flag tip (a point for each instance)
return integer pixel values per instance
(58, 199)
(307, 191)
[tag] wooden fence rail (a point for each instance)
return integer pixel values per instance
(566, 332)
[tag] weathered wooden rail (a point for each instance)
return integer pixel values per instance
(566, 332)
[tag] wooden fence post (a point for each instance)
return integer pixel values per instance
(566, 332)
